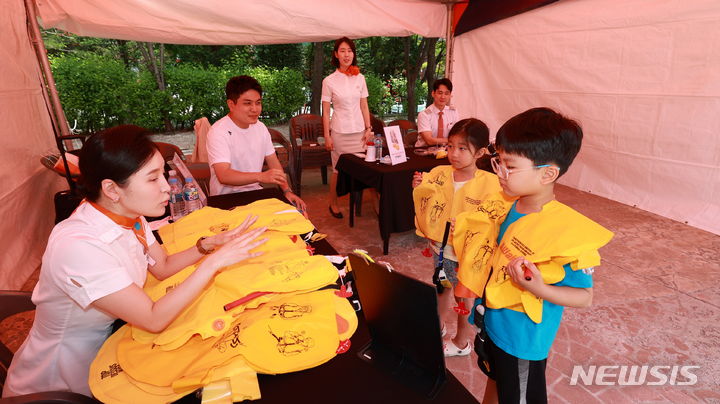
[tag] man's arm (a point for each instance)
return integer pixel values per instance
(228, 176)
(274, 164)
(424, 130)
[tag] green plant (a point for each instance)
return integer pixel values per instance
(195, 92)
(379, 100)
(91, 90)
(283, 92)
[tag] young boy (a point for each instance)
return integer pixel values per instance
(543, 258)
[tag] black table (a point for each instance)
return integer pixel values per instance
(394, 183)
(346, 378)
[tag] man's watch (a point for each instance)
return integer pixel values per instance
(200, 248)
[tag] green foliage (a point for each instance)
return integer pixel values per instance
(195, 92)
(143, 104)
(279, 56)
(284, 92)
(379, 99)
(92, 90)
(204, 55)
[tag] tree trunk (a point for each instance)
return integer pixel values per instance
(411, 74)
(430, 68)
(156, 66)
(123, 50)
(316, 78)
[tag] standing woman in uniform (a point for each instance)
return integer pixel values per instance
(349, 129)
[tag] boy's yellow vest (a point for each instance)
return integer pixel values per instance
(551, 238)
(436, 201)
(475, 240)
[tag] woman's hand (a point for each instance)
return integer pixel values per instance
(417, 179)
(212, 242)
(367, 136)
(329, 144)
(237, 249)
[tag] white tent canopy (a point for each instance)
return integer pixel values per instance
(244, 22)
(642, 77)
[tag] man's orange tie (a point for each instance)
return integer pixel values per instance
(441, 126)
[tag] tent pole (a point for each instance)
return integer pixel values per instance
(448, 40)
(57, 115)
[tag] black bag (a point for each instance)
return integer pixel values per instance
(65, 204)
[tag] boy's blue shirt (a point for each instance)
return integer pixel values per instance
(513, 331)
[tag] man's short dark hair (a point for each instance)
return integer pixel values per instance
(442, 82)
(543, 136)
(238, 85)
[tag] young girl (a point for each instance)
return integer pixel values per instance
(97, 260)
(439, 196)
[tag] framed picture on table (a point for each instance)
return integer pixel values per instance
(396, 147)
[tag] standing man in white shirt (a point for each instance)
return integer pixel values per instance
(435, 121)
(238, 144)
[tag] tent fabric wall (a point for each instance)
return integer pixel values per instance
(26, 194)
(244, 22)
(643, 79)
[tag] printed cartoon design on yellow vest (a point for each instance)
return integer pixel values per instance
(293, 342)
(436, 201)
(551, 238)
(206, 316)
(289, 333)
(474, 240)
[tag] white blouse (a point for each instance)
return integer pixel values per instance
(345, 93)
(88, 257)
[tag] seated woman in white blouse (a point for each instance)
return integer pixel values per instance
(96, 262)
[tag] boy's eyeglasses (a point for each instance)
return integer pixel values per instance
(504, 172)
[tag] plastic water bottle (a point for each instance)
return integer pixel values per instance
(378, 147)
(173, 174)
(191, 196)
(177, 201)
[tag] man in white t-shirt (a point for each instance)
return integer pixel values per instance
(238, 145)
(435, 121)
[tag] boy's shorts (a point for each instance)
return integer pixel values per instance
(450, 268)
(518, 380)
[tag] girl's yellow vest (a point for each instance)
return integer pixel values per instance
(436, 201)
(551, 238)
(475, 240)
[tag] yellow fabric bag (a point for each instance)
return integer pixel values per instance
(475, 240)
(110, 384)
(288, 333)
(551, 238)
(296, 332)
(207, 317)
(242, 379)
(436, 201)
(272, 213)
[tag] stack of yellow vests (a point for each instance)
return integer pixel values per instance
(263, 315)
(551, 238)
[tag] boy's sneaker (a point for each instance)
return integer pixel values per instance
(452, 350)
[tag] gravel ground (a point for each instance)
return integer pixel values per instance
(186, 140)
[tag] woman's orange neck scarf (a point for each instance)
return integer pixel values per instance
(126, 223)
(351, 71)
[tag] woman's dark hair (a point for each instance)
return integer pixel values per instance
(474, 130)
(115, 154)
(351, 44)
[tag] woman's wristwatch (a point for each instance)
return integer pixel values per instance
(201, 249)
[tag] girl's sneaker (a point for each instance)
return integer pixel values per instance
(452, 350)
